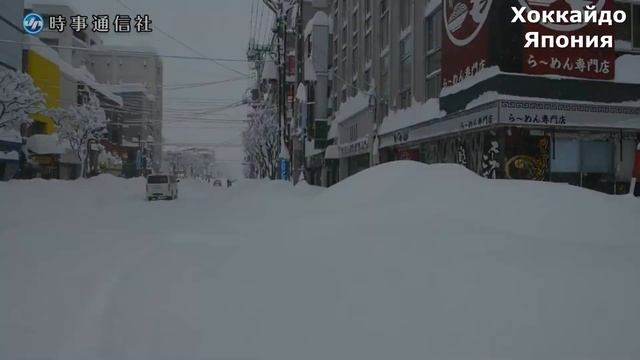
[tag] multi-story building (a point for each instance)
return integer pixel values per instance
(10, 59)
(138, 73)
(57, 63)
(451, 81)
(312, 95)
(11, 13)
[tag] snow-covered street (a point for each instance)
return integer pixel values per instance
(403, 261)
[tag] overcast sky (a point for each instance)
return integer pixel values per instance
(216, 28)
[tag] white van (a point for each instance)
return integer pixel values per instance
(162, 186)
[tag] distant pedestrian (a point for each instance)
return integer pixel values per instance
(229, 183)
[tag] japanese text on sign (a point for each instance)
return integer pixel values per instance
(101, 23)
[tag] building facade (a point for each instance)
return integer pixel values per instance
(138, 74)
(409, 79)
(10, 59)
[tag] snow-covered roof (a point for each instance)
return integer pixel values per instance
(11, 155)
(10, 135)
(130, 88)
(319, 19)
(78, 74)
(413, 115)
(470, 81)
(45, 144)
(491, 96)
(352, 106)
(270, 71)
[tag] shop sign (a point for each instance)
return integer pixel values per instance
(565, 114)
(401, 136)
(465, 39)
(355, 148)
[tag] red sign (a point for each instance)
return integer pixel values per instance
(591, 63)
(465, 39)
(636, 168)
(408, 154)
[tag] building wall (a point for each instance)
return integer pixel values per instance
(46, 76)
(11, 13)
(117, 68)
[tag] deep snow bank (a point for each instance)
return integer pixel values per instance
(402, 261)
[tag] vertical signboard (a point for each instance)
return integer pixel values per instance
(465, 39)
(591, 63)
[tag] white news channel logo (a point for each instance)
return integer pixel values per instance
(33, 23)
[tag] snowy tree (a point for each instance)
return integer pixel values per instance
(79, 125)
(261, 143)
(19, 99)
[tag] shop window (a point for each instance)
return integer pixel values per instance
(433, 53)
(596, 157)
(567, 156)
(405, 71)
(629, 31)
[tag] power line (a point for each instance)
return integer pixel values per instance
(27, 45)
(183, 43)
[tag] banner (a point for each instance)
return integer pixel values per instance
(465, 39)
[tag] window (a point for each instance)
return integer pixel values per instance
(405, 14)
(367, 46)
(384, 76)
(367, 6)
(354, 55)
(629, 31)
(384, 24)
(406, 64)
(433, 53)
(353, 132)
(367, 79)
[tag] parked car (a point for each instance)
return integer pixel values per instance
(162, 186)
(217, 182)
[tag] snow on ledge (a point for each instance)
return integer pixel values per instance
(413, 115)
(11, 155)
(11, 135)
(491, 96)
(351, 107)
(465, 84)
(628, 69)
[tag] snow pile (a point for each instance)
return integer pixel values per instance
(351, 107)
(403, 261)
(627, 69)
(413, 115)
(9, 155)
(10, 135)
